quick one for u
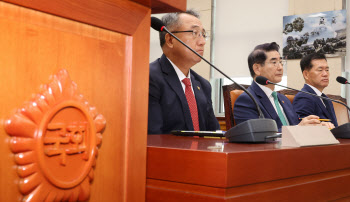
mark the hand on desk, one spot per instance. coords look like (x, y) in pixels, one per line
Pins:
(314, 120)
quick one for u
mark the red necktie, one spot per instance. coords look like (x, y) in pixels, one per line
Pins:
(191, 100)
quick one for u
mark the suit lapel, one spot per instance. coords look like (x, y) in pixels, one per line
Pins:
(266, 103)
(174, 82)
(289, 112)
(317, 100)
(330, 109)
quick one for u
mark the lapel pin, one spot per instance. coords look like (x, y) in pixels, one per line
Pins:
(198, 88)
(283, 101)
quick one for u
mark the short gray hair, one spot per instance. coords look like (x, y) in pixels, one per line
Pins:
(171, 22)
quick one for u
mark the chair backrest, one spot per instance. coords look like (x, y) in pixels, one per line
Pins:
(228, 104)
(290, 94)
(234, 95)
(341, 112)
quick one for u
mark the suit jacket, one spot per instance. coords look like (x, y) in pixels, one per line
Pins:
(244, 108)
(306, 105)
(168, 109)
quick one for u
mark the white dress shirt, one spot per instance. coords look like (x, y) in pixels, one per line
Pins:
(181, 76)
(268, 93)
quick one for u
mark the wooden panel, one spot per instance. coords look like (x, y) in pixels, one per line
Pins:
(228, 165)
(111, 72)
(146, 3)
(167, 6)
(122, 16)
(109, 14)
(327, 186)
(136, 128)
(205, 168)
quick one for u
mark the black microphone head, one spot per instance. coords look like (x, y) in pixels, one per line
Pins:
(262, 80)
(342, 80)
(157, 24)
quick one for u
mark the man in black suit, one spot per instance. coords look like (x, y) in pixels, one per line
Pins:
(315, 71)
(180, 99)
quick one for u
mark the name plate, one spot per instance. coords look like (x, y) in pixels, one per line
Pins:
(302, 136)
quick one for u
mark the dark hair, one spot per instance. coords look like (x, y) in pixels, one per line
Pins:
(305, 62)
(258, 55)
(171, 22)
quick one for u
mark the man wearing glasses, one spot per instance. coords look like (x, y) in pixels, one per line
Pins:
(315, 70)
(180, 99)
(266, 61)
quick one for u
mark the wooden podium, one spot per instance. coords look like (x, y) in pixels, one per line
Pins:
(74, 98)
(203, 169)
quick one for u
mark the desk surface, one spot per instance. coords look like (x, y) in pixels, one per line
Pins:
(206, 162)
(212, 144)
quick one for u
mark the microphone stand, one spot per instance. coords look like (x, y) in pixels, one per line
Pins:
(324, 98)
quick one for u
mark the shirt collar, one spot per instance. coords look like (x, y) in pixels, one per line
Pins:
(266, 90)
(319, 93)
(179, 73)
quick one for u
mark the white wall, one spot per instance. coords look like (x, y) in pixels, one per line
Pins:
(295, 77)
(204, 8)
(240, 26)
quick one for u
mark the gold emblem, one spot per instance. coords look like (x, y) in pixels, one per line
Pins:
(55, 138)
(198, 88)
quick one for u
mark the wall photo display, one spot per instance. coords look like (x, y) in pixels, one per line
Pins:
(323, 32)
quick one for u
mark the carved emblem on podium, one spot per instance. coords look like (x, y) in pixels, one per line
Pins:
(55, 138)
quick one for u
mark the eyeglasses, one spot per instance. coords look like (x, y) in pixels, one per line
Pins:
(279, 62)
(195, 33)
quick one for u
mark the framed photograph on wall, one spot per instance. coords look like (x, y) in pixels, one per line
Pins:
(323, 32)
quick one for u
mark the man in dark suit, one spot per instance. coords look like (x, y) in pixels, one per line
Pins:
(266, 61)
(180, 99)
(315, 71)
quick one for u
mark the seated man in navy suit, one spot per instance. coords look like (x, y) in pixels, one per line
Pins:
(265, 60)
(180, 99)
(315, 71)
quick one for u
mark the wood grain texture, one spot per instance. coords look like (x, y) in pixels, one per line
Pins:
(318, 187)
(121, 16)
(168, 6)
(257, 172)
(136, 128)
(111, 72)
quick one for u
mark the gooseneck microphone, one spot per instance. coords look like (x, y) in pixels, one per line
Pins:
(342, 131)
(254, 130)
(342, 80)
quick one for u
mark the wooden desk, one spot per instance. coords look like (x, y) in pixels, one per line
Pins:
(203, 169)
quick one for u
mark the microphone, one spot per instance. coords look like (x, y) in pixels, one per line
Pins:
(157, 24)
(342, 131)
(342, 80)
(257, 129)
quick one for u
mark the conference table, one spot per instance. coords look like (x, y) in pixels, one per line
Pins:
(212, 169)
